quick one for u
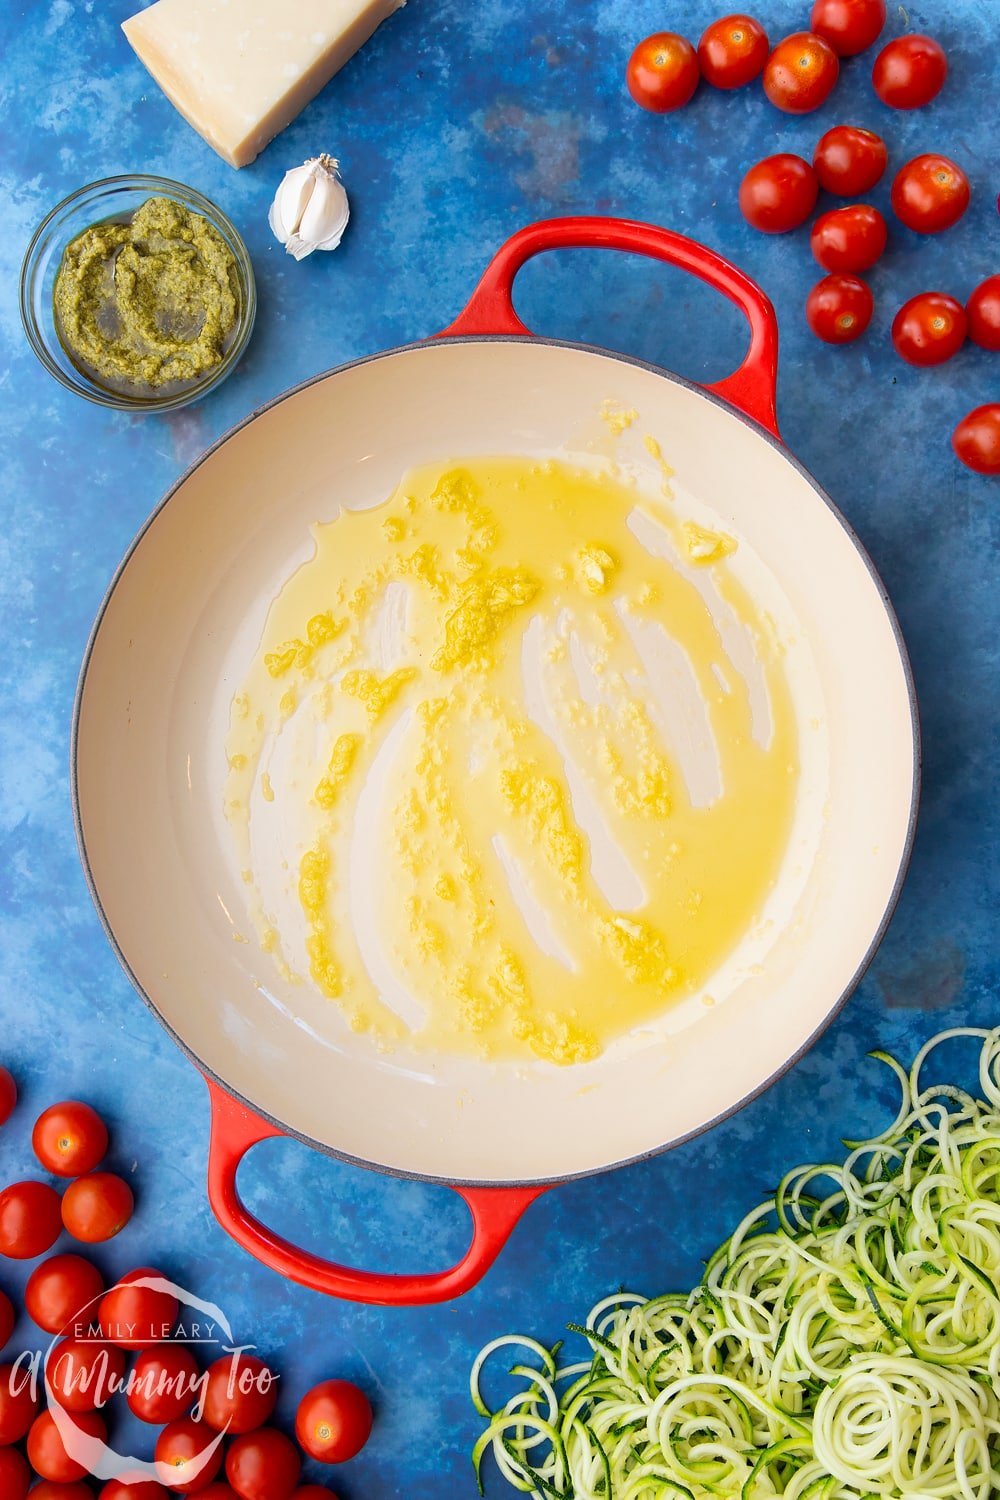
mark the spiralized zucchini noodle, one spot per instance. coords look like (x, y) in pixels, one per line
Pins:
(844, 1343)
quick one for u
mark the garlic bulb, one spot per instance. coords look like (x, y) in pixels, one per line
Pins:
(310, 209)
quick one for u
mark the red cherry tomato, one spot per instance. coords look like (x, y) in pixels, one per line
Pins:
(929, 329)
(30, 1221)
(983, 313)
(46, 1490)
(333, 1421)
(164, 1384)
(909, 72)
(63, 1293)
(778, 193)
(69, 1138)
(8, 1095)
(189, 1460)
(83, 1374)
(839, 309)
(663, 72)
(134, 1316)
(15, 1476)
(930, 193)
(976, 439)
(96, 1207)
(263, 1465)
(140, 1489)
(218, 1491)
(240, 1393)
(800, 73)
(849, 160)
(313, 1492)
(849, 239)
(46, 1452)
(848, 25)
(8, 1317)
(18, 1403)
(733, 51)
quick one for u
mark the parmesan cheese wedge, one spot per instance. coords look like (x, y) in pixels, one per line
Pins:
(239, 71)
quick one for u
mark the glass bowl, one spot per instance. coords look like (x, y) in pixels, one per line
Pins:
(117, 198)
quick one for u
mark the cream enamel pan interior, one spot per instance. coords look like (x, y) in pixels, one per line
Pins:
(184, 617)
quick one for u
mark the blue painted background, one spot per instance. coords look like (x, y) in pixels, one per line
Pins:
(459, 122)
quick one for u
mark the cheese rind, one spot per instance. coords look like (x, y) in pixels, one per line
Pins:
(239, 71)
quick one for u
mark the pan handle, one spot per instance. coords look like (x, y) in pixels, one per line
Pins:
(751, 387)
(235, 1128)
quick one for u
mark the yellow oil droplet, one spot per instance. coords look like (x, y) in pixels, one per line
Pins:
(618, 418)
(375, 692)
(342, 758)
(705, 546)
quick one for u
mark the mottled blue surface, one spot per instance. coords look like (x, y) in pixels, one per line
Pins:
(458, 123)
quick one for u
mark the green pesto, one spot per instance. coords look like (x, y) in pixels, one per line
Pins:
(151, 302)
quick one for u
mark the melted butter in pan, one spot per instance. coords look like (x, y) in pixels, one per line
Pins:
(533, 798)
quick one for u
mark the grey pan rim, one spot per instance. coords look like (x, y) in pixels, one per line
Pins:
(838, 1005)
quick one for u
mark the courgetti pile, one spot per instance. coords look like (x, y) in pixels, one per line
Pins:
(844, 1343)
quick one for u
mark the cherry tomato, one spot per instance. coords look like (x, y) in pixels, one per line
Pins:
(164, 1384)
(848, 25)
(97, 1206)
(930, 193)
(139, 1489)
(849, 160)
(218, 1491)
(929, 329)
(240, 1393)
(47, 1453)
(46, 1490)
(976, 439)
(69, 1138)
(15, 1476)
(333, 1421)
(839, 309)
(190, 1462)
(82, 1374)
(263, 1465)
(909, 72)
(800, 73)
(29, 1219)
(849, 239)
(134, 1316)
(8, 1095)
(663, 72)
(983, 313)
(8, 1317)
(18, 1403)
(733, 51)
(313, 1492)
(778, 193)
(63, 1293)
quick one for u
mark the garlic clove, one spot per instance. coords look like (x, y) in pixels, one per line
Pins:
(325, 216)
(291, 204)
(310, 210)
